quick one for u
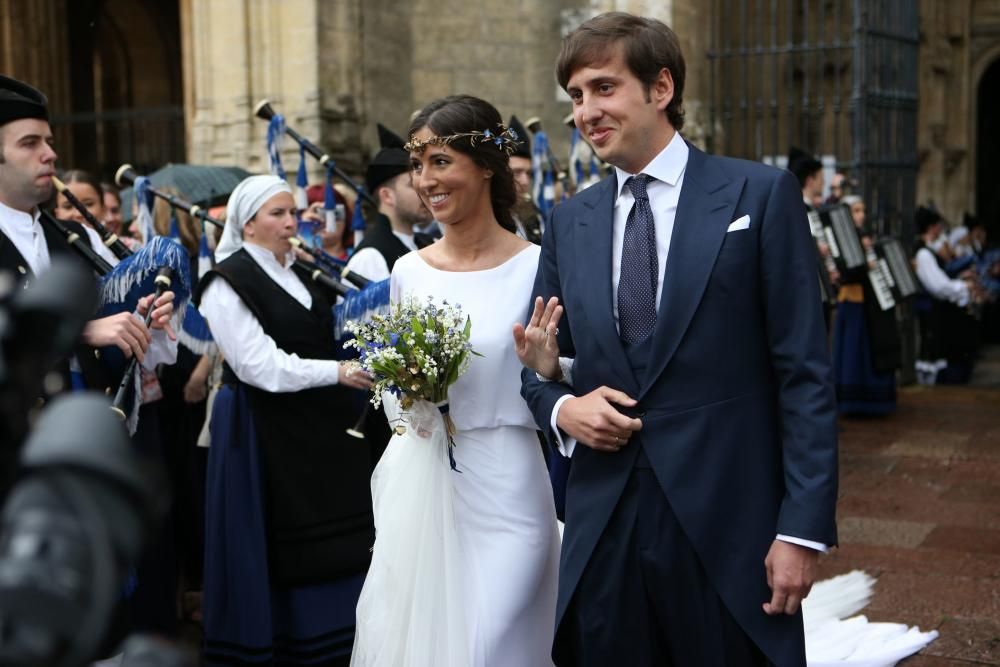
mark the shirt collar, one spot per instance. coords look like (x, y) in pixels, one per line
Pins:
(13, 214)
(406, 239)
(265, 256)
(667, 166)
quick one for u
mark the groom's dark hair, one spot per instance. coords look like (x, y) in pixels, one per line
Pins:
(648, 46)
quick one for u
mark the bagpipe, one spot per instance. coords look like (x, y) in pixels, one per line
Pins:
(276, 128)
(154, 268)
(352, 303)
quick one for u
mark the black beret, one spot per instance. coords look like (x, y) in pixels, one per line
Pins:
(392, 160)
(925, 217)
(19, 100)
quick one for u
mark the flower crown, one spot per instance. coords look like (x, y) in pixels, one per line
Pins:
(505, 138)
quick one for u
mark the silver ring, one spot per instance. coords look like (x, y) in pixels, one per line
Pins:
(618, 441)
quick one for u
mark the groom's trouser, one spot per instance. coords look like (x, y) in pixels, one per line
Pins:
(644, 598)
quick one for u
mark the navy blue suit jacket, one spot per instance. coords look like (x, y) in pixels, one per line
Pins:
(740, 421)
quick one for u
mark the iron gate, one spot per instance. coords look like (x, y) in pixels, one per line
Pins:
(837, 78)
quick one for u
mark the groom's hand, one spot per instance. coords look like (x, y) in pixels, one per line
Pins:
(593, 419)
(791, 570)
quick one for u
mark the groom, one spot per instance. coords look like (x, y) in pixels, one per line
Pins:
(700, 413)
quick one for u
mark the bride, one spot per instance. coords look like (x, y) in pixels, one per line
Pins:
(464, 568)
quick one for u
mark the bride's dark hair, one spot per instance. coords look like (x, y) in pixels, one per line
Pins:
(457, 114)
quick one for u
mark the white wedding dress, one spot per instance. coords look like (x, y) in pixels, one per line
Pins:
(465, 565)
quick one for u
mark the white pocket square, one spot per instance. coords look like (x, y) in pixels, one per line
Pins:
(741, 223)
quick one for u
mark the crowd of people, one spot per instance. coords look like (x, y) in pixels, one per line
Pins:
(956, 307)
(597, 407)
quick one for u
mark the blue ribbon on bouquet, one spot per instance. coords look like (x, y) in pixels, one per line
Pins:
(445, 409)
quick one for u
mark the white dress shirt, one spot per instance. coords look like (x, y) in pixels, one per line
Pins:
(667, 168)
(937, 282)
(25, 232)
(252, 354)
(369, 262)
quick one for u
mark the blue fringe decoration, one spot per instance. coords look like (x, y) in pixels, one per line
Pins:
(144, 198)
(544, 184)
(301, 182)
(194, 333)
(133, 277)
(329, 202)
(275, 130)
(361, 305)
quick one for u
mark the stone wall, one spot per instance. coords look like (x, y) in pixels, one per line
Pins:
(959, 40)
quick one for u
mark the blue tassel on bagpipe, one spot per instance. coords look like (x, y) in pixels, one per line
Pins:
(544, 188)
(361, 305)
(144, 198)
(301, 182)
(194, 333)
(275, 130)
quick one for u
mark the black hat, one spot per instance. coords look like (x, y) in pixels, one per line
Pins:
(925, 217)
(523, 148)
(392, 160)
(802, 164)
(19, 100)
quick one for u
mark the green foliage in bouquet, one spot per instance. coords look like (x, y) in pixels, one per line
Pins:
(417, 351)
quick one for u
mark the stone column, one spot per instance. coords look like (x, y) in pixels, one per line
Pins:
(239, 52)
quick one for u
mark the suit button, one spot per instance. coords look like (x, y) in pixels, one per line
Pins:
(97, 354)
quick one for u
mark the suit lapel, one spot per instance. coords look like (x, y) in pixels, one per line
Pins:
(705, 209)
(593, 253)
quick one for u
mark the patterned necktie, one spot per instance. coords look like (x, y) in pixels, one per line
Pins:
(639, 276)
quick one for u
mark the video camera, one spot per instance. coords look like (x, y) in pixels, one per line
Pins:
(79, 498)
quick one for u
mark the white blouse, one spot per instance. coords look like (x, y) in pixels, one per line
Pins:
(937, 282)
(252, 354)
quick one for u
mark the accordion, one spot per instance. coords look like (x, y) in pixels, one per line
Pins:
(842, 237)
(896, 262)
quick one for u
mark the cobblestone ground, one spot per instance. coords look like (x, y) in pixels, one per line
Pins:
(920, 510)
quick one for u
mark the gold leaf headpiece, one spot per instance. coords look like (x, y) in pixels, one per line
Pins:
(504, 138)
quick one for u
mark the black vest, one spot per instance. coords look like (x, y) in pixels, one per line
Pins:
(379, 235)
(95, 371)
(318, 503)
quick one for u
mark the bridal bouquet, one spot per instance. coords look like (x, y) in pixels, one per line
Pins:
(416, 353)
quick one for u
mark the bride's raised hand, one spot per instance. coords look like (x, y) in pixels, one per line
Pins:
(536, 344)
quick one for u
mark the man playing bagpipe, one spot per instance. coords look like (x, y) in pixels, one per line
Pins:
(390, 236)
(28, 244)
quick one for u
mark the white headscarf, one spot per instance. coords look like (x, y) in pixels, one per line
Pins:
(243, 204)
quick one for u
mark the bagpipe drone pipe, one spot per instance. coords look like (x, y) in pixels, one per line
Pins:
(120, 288)
(275, 130)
